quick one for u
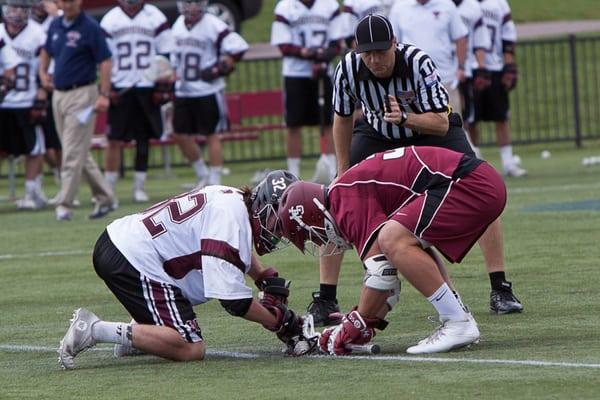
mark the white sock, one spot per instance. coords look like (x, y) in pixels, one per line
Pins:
(139, 179)
(294, 166)
(31, 187)
(506, 155)
(447, 306)
(112, 332)
(214, 174)
(200, 169)
(112, 178)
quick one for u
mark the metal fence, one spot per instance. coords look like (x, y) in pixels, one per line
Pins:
(556, 99)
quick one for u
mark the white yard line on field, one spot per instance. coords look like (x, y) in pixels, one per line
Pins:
(44, 254)
(553, 188)
(441, 360)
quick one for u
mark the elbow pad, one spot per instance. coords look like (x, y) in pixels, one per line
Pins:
(237, 307)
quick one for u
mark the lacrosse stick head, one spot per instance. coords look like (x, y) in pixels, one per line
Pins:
(306, 343)
(160, 69)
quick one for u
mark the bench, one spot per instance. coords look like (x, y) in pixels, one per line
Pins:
(241, 106)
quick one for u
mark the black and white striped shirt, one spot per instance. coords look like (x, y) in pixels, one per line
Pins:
(415, 83)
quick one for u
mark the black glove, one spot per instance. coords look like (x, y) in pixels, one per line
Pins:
(6, 85)
(222, 68)
(276, 291)
(510, 74)
(325, 54)
(38, 111)
(482, 78)
(225, 68)
(163, 93)
(288, 325)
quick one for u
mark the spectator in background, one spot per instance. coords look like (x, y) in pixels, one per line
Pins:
(43, 12)
(136, 32)
(355, 10)
(435, 27)
(308, 33)
(492, 104)
(206, 51)
(477, 77)
(78, 46)
(24, 105)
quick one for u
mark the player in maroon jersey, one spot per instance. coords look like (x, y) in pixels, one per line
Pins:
(393, 207)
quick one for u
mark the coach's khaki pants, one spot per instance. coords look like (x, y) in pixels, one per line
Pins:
(76, 139)
(455, 97)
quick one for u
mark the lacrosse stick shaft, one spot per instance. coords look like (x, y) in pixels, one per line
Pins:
(364, 348)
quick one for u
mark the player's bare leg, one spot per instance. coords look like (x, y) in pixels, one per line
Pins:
(215, 157)
(34, 196)
(402, 249)
(166, 342)
(53, 159)
(112, 163)
(294, 150)
(192, 152)
(502, 299)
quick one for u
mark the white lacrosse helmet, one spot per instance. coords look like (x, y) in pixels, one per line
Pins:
(192, 10)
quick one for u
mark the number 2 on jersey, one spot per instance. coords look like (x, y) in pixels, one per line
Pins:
(178, 211)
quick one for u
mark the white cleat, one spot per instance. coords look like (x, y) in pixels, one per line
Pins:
(78, 337)
(27, 203)
(139, 196)
(515, 172)
(450, 335)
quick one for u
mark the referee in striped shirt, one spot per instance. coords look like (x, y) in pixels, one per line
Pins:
(403, 103)
(402, 98)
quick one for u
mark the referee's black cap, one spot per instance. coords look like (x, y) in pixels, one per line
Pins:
(374, 32)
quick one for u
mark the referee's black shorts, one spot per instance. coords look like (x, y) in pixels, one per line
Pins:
(367, 141)
(492, 104)
(134, 115)
(147, 301)
(301, 98)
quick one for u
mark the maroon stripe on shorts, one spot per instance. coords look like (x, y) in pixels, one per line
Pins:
(161, 303)
(224, 251)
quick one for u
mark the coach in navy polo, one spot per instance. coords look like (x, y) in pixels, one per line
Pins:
(78, 46)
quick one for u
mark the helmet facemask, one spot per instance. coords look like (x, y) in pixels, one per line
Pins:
(16, 15)
(192, 10)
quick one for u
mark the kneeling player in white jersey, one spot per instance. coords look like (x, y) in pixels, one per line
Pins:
(206, 51)
(24, 105)
(182, 252)
(136, 33)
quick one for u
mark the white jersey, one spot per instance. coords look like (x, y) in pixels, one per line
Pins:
(355, 10)
(479, 37)
(8, 57)
(27, 45)
(433, 28)
(134, 41)
(298, 25)
(198, 48)
(200, 241)
(498, 20)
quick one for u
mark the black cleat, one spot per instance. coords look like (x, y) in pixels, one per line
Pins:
(321, 310)
(503, 301)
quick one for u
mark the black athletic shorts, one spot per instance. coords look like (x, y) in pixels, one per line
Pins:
(466, 92)
(134, 115)
(147, 301)
(200, 115)
(367, 141)
(17, 135)
(491, 104)
(301, 98)
(49, 128)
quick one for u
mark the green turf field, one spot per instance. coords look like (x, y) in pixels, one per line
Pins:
(258, 28)
(551, 351)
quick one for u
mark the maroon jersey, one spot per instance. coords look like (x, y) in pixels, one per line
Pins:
(382, 187)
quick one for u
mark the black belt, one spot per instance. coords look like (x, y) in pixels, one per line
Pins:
(74, 86)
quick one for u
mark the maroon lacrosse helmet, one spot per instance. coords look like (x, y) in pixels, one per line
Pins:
(304, 217)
